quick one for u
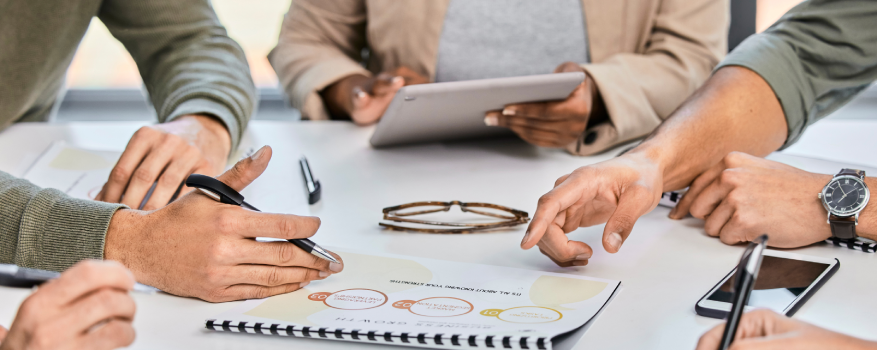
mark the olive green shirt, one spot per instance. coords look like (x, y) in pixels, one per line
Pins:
(188, 64)
(816, 58)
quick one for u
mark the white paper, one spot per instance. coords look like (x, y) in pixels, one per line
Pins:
(78, 172)
(403, 294)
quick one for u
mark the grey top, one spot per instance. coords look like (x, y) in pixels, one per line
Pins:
(491, 39)
(816, 58)
(187, 61)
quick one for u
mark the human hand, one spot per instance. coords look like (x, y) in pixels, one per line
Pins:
(744, 196)
(553, 123)
(765, 329)
(617, 192)
(167, 154)
(88, 307)
(202, 248)
(365, 99)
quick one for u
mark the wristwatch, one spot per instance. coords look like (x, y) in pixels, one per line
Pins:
(844, 198)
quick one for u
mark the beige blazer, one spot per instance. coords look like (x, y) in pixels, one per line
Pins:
(647, 56)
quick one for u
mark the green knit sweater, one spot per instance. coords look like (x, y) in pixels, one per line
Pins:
(189, 66)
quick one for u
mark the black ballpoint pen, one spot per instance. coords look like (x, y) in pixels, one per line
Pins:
(17, 276)
(744, 280)
(312, 185)
(221, 192)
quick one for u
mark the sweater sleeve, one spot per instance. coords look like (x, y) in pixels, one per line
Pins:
(188, 62)
(45, 229)
(320, 42)
(816, 58)
(640, 90)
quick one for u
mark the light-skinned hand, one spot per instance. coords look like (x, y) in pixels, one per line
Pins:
(202, 248)
(552, 123)
(767, 330)
(616, 192)
(744, 196)
(364, 99)
(167, 154)
(88, 307)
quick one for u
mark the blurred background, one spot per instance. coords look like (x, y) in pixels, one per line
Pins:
(103, 82)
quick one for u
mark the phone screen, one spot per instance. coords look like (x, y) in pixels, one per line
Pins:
(780, 281)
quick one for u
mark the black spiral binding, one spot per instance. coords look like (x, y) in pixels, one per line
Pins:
(855, 244)
(441, 339)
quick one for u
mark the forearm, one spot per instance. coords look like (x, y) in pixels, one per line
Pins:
(188, 62)
(736, 110)
(868, 217)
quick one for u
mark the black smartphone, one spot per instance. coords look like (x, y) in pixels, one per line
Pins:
(785, 281)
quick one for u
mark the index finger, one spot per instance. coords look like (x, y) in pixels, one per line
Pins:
(547, 110)
(550, 204)
(697, 186)
(85, 277)
(122, 172)
(283, 226)
(710, 340)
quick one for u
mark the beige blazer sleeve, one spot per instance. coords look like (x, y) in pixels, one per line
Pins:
(320, 42)
(641, 89)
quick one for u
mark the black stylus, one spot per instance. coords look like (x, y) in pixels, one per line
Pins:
(744, 280)
(219, 191)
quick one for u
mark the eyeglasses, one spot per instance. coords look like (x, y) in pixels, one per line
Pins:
(511, 217)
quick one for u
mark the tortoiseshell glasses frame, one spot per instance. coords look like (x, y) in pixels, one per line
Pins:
(515, 217)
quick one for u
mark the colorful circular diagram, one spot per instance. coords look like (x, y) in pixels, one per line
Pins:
(524, 314)
(351, 299)
(436, 306)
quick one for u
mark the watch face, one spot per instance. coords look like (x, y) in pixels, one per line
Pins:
(845, 195)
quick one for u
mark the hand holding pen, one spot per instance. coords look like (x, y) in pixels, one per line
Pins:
(221, 192)
(199, 247)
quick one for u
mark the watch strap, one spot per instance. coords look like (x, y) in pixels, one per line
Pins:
(843, 228)
(853, 172)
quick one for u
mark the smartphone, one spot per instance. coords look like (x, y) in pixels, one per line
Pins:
(785, 281)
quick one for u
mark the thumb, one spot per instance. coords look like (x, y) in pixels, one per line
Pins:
(3, 333)
(633, 203)
(568, 67)
(246, 170)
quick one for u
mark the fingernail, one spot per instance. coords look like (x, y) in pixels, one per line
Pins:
(335, 267)
(673, 213)
(526, 238)
(491, 120)
(303, 284)
(323, 274)
(360, 94)
(614, 241)
(258, 153)
(397, 80)
(584, 256)
(508, 111)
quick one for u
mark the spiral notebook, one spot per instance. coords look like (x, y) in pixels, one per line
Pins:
(429, 303)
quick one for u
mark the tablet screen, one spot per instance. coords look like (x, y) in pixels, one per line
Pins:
(780, 281)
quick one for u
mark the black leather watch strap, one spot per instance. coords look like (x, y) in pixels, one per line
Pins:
(853, 172)
(843, 228)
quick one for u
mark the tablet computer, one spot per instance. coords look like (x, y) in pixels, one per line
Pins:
(455, 110)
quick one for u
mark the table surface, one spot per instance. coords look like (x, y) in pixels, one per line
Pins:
(665, 266)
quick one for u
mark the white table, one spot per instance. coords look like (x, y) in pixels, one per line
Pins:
(665, 266)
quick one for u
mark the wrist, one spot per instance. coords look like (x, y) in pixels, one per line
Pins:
(117, 243)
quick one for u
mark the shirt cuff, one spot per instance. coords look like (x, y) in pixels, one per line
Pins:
(776, 62)
(595, 139)
(58, 231)
(214, 109)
